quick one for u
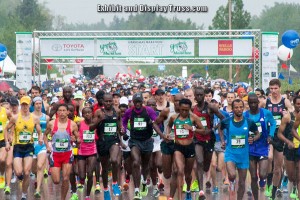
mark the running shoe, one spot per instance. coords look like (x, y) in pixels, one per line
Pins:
(262, 183)
(215, 190)
(201, 195)
(74, 196)
(268, 191)
(195, 186)
(87, 198)
(125, 186)
(116, 189)
(37, 195)
(293, 194)
(170, 198)
(184, 187)
(2, 182)
(188, 196)
(232, 186)
(284, 189)
(155, 192)
(46, 173)
(148, 182)
(7, 190)
(13, 178)
(107, 194)
(279, 193)
(226, 182)
(79, 186)
(137, 196)
(208, 185)
(24, 198)
(161, 186)
(97, 188)
(249, 192)
(144, 190)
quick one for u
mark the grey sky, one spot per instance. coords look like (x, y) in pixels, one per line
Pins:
(78, 11)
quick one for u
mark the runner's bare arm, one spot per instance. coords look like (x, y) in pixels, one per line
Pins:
(215, 110)
(75, 132)
(163, 115)
(47, 132)
(170, 125)
(98, 117)
(10, 124)
(288, 105)
(284, 121)
(53, 110)
(198, 125)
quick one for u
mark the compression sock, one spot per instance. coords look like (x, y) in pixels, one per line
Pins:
(274, 189)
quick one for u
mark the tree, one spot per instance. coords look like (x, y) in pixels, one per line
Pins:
(240, 18)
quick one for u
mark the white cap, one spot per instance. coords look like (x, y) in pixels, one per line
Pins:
(124, 100)
(49, 95)
(54, 100)
(217, 98)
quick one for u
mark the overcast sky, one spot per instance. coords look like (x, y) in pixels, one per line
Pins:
(78, 11)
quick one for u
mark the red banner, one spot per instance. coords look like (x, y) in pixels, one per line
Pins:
(225, 47)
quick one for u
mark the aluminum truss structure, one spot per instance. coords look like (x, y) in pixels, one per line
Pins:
(196, 34)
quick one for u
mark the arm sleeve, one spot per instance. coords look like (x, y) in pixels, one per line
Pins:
(151, 113)
(125, 119)
(272, 121)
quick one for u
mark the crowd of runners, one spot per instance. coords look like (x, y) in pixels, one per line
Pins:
(156, 133)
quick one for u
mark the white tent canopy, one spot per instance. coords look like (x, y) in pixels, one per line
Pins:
(7, 65)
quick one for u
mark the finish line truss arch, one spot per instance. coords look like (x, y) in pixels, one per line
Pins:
(194, 41)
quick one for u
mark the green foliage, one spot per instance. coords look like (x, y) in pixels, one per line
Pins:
(240, 19)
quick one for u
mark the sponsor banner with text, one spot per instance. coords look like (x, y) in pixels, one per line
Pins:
(216, 48)
(269, 60)
(67, 47)
(145, 47)
(24, 60)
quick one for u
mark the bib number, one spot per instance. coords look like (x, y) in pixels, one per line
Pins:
(110, 129)
(278, 120)
(181, 132)
(238, 141)
(1, 127)
(61, 144)
(88, 136)
(35, 136)
(139, 123)
(24, 137)
(203, 122)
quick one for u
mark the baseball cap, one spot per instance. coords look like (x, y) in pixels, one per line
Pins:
(217, 98)
(159, 91)
(13, 101)
(54, 100)
(123, 100)
(49, 95)
(25, 100)
(174, 91)
(78, 96)
(137, 97)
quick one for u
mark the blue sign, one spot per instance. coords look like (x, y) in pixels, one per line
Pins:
(161, 67)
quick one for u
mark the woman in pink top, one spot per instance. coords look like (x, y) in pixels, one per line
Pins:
(87, 153)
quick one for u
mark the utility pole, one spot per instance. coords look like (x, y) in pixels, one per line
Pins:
(229, 23)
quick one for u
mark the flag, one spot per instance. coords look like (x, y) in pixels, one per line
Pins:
(280, 76)
(250, 66)
(284, 66)
(206, 68)
(49, 67)
(292, 69)
(250, 75)
(290, 81)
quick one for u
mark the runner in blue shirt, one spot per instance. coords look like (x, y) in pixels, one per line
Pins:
(237, 146)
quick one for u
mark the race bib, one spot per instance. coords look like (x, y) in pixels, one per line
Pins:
(181, 132)
(1, 127)
(203, 122)
(238, 141)
(278, 120)
(110, 128)
(24, 137)
(154, 133)
(88, 136)
(35, 136)
(139, 123)
(61, 144)
(258, 124)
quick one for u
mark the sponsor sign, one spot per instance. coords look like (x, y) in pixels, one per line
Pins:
(216, 48)
(145, 47)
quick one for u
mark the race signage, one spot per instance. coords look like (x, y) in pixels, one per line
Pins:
(234, 48)
(145, 47)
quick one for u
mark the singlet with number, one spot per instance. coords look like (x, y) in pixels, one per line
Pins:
(206, 121)
(61, 140)
(43, 124)
(261, 146)
(3, 122)
(87, 137)
(24, 130)
(108, 128)
(180, 132)
(140, 125)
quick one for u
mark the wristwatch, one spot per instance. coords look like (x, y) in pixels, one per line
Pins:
(194, 128)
